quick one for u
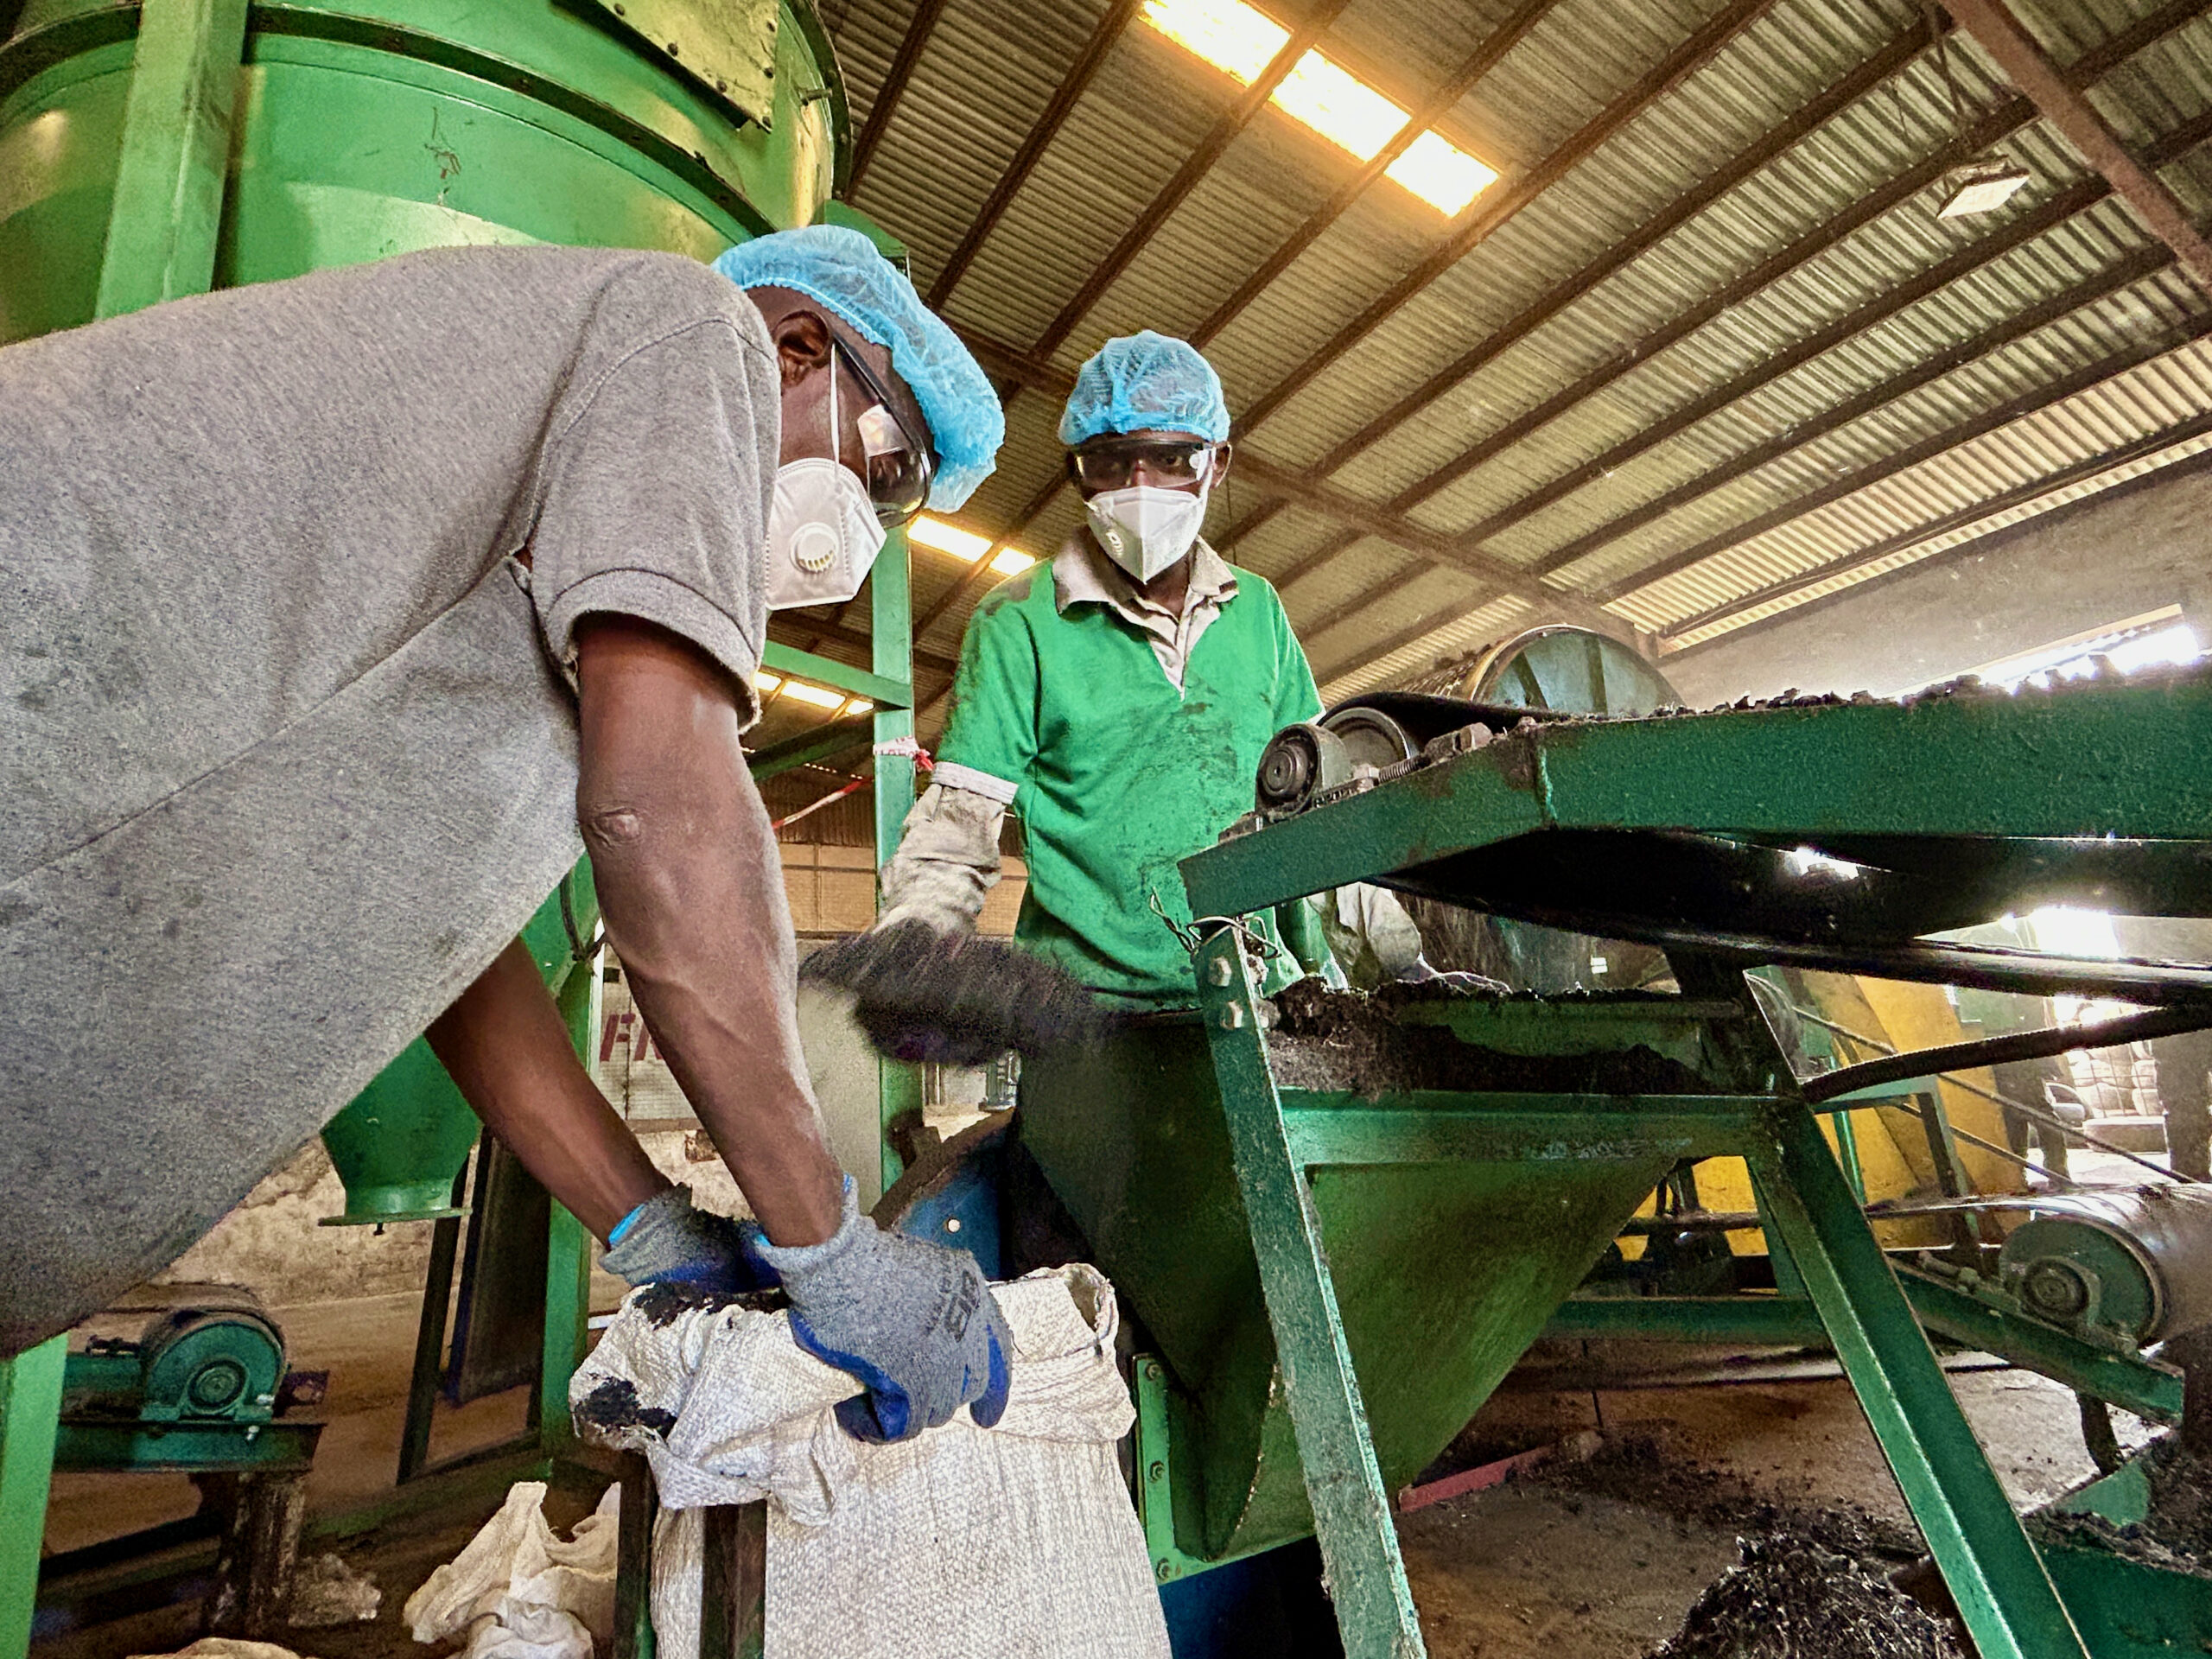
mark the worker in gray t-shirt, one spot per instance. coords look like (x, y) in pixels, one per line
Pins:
(340, 616)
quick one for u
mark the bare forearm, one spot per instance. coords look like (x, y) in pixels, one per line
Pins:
(508, 1051)
(690, 886)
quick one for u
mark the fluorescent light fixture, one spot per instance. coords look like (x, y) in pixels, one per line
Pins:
(813, 695)
(764, 681)
(1239, 40)
(1980, 187)
(860, 706)
(1012, 562)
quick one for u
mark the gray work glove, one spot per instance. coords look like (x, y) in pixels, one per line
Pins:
(667, 1240)
(913, 1321)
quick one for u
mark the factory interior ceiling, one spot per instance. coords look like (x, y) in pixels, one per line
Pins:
(1702, 346)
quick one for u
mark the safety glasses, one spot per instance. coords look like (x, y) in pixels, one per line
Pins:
(1112, 463)
(900, 468)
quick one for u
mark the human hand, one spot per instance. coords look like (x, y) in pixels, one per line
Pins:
(667, 1240)
(914, 1322)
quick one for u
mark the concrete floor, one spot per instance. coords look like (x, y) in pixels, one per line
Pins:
(1526, 1571)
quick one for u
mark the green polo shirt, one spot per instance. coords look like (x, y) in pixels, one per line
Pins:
(1115, 773)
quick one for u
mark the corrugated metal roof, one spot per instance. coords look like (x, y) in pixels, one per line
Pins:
(991, 68)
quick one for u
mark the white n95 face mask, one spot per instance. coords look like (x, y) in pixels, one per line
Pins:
(1144, 528)
(823, 534)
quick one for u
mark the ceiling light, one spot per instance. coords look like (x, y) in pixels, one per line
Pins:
(764, 681)
(813, 695)
(860, 706)
(964, 544)
(1240, 41)
(1980, 187)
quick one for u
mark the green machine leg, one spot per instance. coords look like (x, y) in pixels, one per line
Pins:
(30, 1404)
(568, 1247)
(2006, 1599)
(177, 154)
(891, 623)
(1351, 1508)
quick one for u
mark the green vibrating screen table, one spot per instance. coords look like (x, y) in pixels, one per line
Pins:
(1339, 1241)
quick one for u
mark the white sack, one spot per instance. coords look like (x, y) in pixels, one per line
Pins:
(1014, 1541)
(226, 1646)
(527, 1593)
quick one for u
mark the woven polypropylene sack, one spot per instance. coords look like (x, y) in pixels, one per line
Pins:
(1012, 1541)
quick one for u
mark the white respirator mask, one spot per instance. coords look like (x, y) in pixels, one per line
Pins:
(1146, 527)
(822, 532)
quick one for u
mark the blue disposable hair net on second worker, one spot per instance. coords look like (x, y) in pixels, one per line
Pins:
(843, 270)
(1146, 380)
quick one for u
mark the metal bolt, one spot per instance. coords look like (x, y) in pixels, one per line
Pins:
(1164, 1570)
(952, 1224)
(1151, 1371)
(1232, 1017)
(1221, 970)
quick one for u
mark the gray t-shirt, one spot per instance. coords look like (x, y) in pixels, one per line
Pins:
(287, 734)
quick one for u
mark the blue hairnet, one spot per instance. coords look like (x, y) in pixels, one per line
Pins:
(841, 269)
(1146, 380)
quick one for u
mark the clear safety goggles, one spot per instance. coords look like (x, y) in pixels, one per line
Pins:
(899, 467)
(1113, 463)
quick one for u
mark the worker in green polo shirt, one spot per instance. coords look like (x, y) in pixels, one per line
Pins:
(1117, 699)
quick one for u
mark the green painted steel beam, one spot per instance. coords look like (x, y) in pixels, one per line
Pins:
(891, 632)
(1425, 1127)
(167, 210)
(1351, 1507)
(2132, 1384)
(568, 1255)
(822, 742)
(881, 690)
(2006, 1599)
(187, 1447)
(30, 1402)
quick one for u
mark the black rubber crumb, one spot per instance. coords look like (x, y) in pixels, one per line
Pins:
(2177, 1533)
(662, 1304)
(614, 1405)
(1814, 1580)
(1636, 1469)
(1791, 1597)
(1326, 1039)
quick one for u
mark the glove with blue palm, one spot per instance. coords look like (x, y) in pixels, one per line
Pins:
(667, 1240)
(914, 1322)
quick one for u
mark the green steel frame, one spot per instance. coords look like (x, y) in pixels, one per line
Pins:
(2113, 762)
